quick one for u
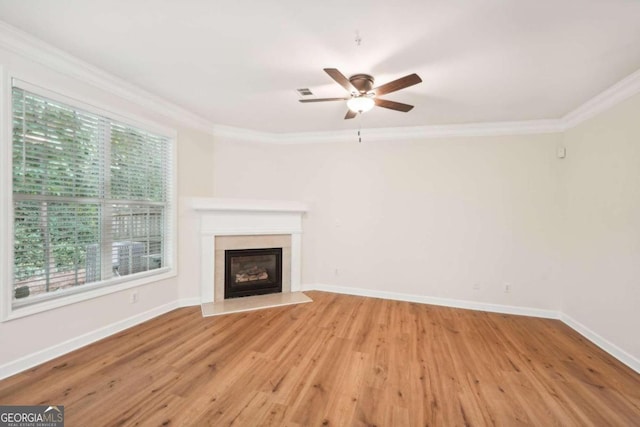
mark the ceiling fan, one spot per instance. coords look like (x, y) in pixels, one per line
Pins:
(363, 97)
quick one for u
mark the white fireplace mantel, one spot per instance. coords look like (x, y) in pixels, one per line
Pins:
(229, 217)
(203, 204)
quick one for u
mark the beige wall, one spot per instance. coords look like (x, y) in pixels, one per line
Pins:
(432, 217)
(195, 179)
(601, 262)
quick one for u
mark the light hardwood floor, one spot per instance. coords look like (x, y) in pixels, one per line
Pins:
(339, 361)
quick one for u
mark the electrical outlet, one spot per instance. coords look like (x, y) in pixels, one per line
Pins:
(476, 286)
(134, 297)
(507, 288)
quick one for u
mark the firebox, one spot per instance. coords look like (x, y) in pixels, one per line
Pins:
(252, 272)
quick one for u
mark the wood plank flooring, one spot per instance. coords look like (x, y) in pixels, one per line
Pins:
(338, 361)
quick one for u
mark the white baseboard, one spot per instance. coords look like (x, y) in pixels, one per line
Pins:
(603, 343)
(447, 302)
(189, 302)
(52, 352)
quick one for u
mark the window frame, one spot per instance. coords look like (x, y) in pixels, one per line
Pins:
(110, 286)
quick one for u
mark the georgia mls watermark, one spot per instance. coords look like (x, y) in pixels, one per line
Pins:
(32, 416)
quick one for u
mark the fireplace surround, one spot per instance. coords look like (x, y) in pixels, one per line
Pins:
(247, 224)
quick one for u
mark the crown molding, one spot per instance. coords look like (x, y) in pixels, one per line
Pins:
(235, 133)
(34, 49)
(30, 47)
(608, 98)
(393, 133)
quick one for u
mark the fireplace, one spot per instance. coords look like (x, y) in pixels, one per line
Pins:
(252, 272)
(229, 224)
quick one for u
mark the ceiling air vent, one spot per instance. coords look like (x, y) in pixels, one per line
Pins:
(305, 91)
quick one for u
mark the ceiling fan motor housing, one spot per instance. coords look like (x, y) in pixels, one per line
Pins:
(362, 82)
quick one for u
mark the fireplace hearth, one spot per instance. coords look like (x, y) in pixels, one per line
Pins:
(252, 272)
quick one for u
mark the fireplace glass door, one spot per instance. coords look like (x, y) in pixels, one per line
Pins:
(252, 272)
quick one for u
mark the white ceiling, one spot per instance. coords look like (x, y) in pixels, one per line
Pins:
(238, 63)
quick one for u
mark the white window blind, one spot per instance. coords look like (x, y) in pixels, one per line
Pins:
(91, 200)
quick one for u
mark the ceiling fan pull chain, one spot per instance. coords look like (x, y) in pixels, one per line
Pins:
(361, 119)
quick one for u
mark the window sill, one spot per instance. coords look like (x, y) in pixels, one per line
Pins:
(104, 289)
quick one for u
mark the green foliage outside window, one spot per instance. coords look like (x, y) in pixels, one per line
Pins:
(82, 182)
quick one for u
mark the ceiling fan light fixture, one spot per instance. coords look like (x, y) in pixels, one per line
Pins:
(360, 104)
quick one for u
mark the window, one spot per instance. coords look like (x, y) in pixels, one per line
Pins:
(91, 200)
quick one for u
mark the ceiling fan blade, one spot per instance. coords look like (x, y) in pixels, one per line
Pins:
(340, 79)
(392, 105)
(350, 115)
(323, 99)
(401, 83)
